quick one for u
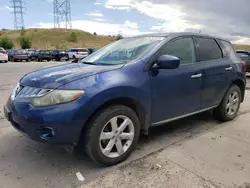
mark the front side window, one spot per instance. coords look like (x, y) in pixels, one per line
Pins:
(182, 48)
(124, 50)
(208, 49)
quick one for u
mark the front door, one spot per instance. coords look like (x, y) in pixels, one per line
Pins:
(176, 92)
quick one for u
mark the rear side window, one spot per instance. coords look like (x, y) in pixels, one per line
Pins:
(182, 48)
(208, 49)
(228, 50)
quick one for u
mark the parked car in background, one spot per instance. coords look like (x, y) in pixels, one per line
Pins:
(33, 55)
(103, 102)
(78, 53)
(31, 52)
(92, 50)
(3, 55)
(245, 56)
(11, 54)
(20, 55)
(59, 55)
(43, 55)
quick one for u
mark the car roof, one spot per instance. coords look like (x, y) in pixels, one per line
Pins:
(179, 34)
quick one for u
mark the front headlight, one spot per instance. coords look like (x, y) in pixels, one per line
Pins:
(57, 97)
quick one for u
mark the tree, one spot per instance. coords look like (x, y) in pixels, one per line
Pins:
(95, 33)
(73, 37)
(23, 32)
(25, 42)
(6, 43)
(119, 36)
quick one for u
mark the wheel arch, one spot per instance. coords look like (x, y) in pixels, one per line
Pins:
(241, 84)
(130, 102)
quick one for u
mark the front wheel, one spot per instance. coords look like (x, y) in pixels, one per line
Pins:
(230, 104)
(111, 135)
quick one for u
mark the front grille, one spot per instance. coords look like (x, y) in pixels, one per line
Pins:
(25, 91)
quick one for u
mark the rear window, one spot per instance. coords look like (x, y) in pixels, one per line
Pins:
(45, 52)
(82, 50)
(208, 49)
(21, 52)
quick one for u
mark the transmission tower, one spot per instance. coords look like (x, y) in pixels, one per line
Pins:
(18, 10)
(62, 14)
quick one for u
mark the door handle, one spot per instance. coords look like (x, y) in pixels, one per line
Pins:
(228, 68)
(196, 75)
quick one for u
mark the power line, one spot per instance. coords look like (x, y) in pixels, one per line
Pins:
(18, 11)
(62, 14)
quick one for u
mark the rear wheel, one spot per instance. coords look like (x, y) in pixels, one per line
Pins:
(6, 61)
(111, 135)
(230, 104)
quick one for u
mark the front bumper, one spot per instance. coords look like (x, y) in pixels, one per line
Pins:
(54, 124)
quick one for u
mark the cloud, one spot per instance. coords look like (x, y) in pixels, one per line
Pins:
(99, 19)
(96, 14)
(97, 3)
(128, 28)
(9, 8)
(228, 19)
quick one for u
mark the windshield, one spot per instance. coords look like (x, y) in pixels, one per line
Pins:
(123, 51)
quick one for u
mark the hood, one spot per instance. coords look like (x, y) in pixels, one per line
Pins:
(54, 76)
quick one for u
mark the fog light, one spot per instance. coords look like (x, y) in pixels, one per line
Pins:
(46, 133)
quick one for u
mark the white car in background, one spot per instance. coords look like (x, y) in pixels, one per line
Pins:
(78, 53)
(3, 55)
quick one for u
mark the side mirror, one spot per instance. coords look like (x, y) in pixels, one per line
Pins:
(168, 62)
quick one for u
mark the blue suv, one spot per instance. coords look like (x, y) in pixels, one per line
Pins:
(103, 102)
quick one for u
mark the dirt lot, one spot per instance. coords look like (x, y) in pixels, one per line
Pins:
(193, 152)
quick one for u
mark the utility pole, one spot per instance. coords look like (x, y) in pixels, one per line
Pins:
(62, 14)
(18, 10)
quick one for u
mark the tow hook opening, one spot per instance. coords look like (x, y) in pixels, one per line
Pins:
(46, 133)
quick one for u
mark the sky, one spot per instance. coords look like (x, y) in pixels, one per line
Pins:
(229, 19)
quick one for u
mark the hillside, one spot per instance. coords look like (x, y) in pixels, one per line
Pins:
(242, 47)
(50, 38)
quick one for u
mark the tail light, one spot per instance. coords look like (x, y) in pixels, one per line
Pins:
(244, 64)
(3, 52)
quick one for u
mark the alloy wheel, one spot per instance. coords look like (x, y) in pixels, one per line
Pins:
(232, 103)
(117, 136)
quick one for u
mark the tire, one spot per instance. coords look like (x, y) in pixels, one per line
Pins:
(222, 112)
(91, 135)
(6, 61)
(14, 60)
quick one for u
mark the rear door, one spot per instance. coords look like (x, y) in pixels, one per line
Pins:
(216, 69)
